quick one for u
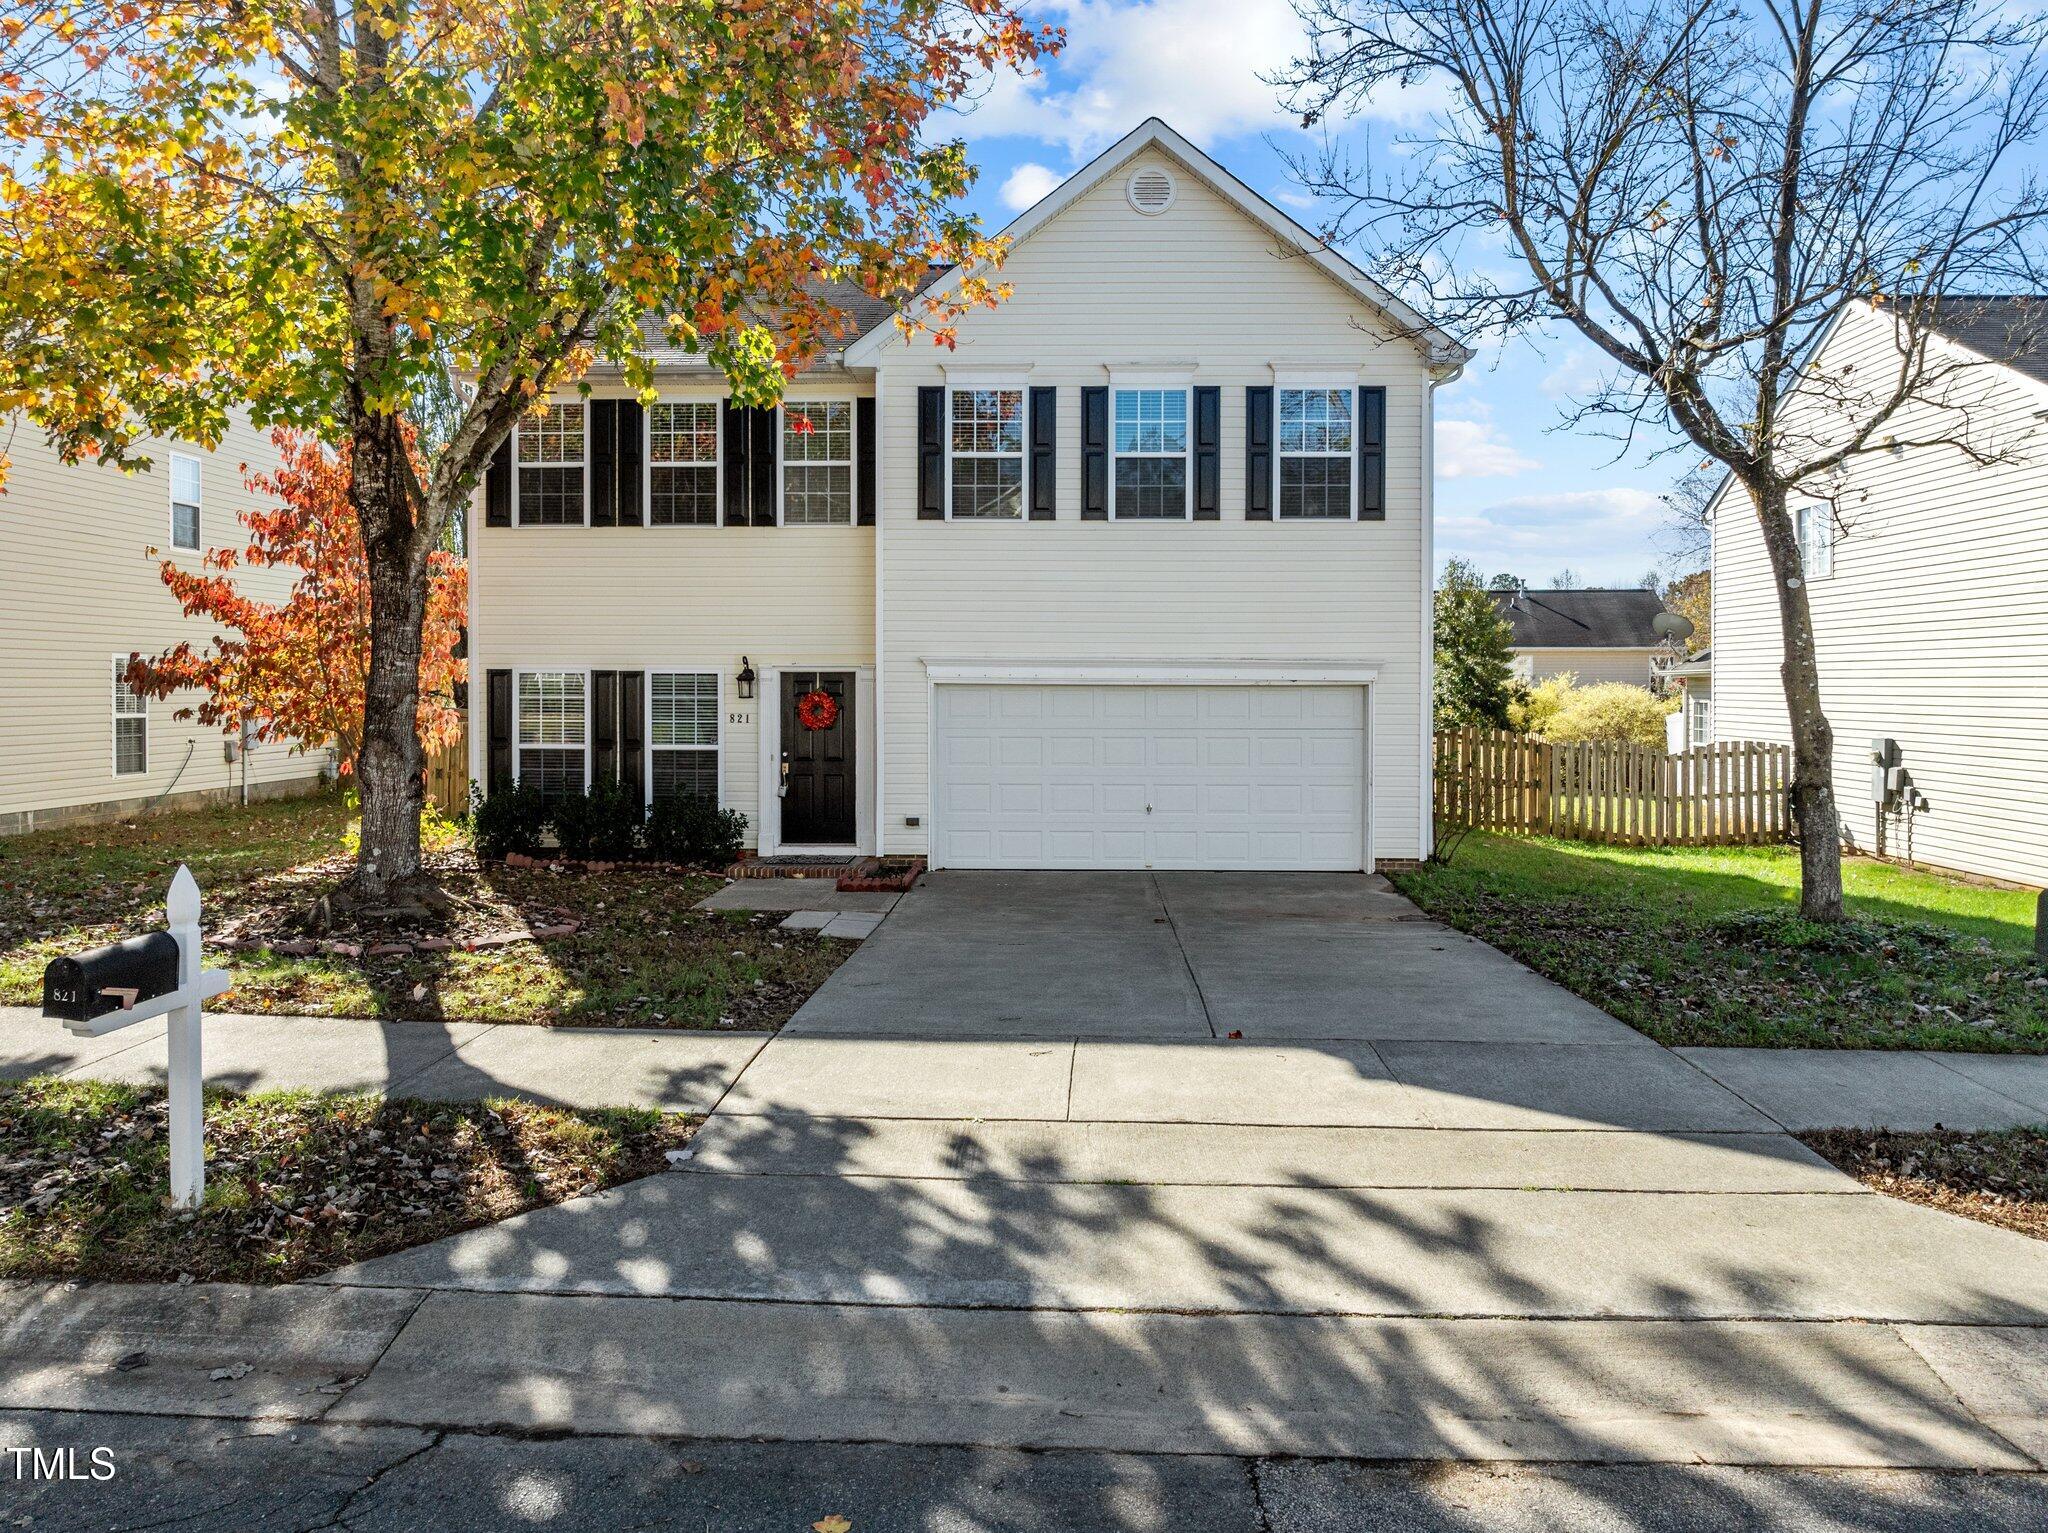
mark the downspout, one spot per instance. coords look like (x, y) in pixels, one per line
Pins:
(1427, 702)
(881, 680)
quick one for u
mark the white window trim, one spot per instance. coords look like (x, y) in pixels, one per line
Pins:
(1138, 383)
(1351, 457)
(114, 728)
(588, 748)
(171, 501)
(1022, 454)
(852, 464)
(716, 465)
(697, 668)
(1819, 516)
(519, 436)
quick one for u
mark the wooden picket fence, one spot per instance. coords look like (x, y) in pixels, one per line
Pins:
(1734, 792)
(448, 776)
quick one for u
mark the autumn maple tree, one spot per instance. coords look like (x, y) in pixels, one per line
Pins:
(296, 670)
(320, 212)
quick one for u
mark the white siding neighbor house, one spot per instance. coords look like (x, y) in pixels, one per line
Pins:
(79, 593)
(1135, 576)
(1597, 634)
(1929, 592)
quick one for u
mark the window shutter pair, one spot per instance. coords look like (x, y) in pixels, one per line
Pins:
(1041, 454)
(1206, 493)
(617, 429)
(1368, 445)
(618, 708)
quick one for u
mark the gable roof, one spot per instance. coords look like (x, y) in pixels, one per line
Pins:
(1592, 619)
(1439, 348)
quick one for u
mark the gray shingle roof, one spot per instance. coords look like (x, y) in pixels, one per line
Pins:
(1592, 619)
(863, 311)
(2009, 330)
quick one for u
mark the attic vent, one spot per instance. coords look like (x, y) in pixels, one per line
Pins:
(1150, 190)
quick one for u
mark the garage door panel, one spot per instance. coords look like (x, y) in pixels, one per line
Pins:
(1149, 777)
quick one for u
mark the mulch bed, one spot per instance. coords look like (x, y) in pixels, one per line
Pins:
(296, 1184)
(1996, 1178)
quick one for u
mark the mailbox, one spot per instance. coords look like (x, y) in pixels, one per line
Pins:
(95, 983)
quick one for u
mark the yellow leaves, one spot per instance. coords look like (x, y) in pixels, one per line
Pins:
(832, 1524)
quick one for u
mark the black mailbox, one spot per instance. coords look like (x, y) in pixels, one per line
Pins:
(77, 989)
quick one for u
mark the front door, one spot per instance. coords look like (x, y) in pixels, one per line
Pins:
(817, 763)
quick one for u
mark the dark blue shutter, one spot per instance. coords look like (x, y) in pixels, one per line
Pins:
(633, 733)
(864, 462)
(764, 426)
(931, 454)
(602, 436)
(604, 726)
(632, 438)
(498, 487)
(1372, 455)
(734, 424)
(498, 730)
(1095, 455)
(1044, 460)
(1208, 454)
(1258, 455)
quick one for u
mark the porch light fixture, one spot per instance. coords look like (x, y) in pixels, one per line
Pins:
(746, 677)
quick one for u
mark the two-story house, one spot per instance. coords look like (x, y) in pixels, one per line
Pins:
(1927, 576)
(1137, 575)
(80, 593)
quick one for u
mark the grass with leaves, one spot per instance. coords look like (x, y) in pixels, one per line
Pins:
(296, 1184)
(1706, 946)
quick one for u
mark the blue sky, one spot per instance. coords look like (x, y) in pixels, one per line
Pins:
(1516, 491)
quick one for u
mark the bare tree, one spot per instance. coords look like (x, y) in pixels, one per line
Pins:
(1702, 188)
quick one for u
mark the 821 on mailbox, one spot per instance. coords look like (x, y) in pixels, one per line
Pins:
(116, 977)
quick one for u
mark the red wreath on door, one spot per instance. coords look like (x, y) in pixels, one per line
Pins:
(817, 709)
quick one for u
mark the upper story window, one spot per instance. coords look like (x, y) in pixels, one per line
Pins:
(554, 730)
(1150, 446)
(1315, 453)
(682, 463)
(683, 734)
(1815, 526)
(131, 724)
(817, 463)
(986, 434)
(184, 500)
(550, 467)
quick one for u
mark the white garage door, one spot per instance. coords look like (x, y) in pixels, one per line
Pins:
(1149, 777)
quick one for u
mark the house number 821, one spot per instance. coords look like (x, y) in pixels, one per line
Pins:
(739, 718)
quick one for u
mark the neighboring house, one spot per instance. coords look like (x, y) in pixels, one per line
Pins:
(1599, 635)
(1929, 600)
(1136, 576)
(1693, 723)
(80, 593)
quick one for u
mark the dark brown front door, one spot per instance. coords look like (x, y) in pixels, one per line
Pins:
(817, 764)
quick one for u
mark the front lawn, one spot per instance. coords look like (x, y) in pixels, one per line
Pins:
(296, 1184)
(638, 956)
(1704, 945)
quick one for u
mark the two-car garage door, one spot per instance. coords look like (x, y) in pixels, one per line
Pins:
(1128, 776)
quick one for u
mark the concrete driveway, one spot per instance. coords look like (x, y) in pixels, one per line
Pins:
(1299, 956)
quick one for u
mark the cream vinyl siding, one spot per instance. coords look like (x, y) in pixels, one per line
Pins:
(1592, 665)
(1931, 629)
(78, 585)
(1103, 289)
(675, 599)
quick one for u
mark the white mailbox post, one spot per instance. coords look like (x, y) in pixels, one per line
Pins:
(182, 1006)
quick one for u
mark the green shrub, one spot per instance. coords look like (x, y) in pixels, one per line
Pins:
(603, 823)
(512, 819)
(1613, 712)
(689, 827)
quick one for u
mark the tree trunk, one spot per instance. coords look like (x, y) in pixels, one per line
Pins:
(1814, 814)
(390, 765)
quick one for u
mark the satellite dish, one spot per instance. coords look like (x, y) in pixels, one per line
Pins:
(1671, 625)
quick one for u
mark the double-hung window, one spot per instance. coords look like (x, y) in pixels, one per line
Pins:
(184, 500)
(554, 730)
(1315, 454)
(817, 464)
(987, 460)
(131, 724)
(682, 716)
(551, 467)
(682, 463)
(1815, 526)
(1150, 440)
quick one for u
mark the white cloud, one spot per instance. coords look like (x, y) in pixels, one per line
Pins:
(1605, 534)
(1027, 184)
(1475, 449)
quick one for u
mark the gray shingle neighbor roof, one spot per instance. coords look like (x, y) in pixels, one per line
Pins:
(863, 311)
(1592, 619)
(2009, 330)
